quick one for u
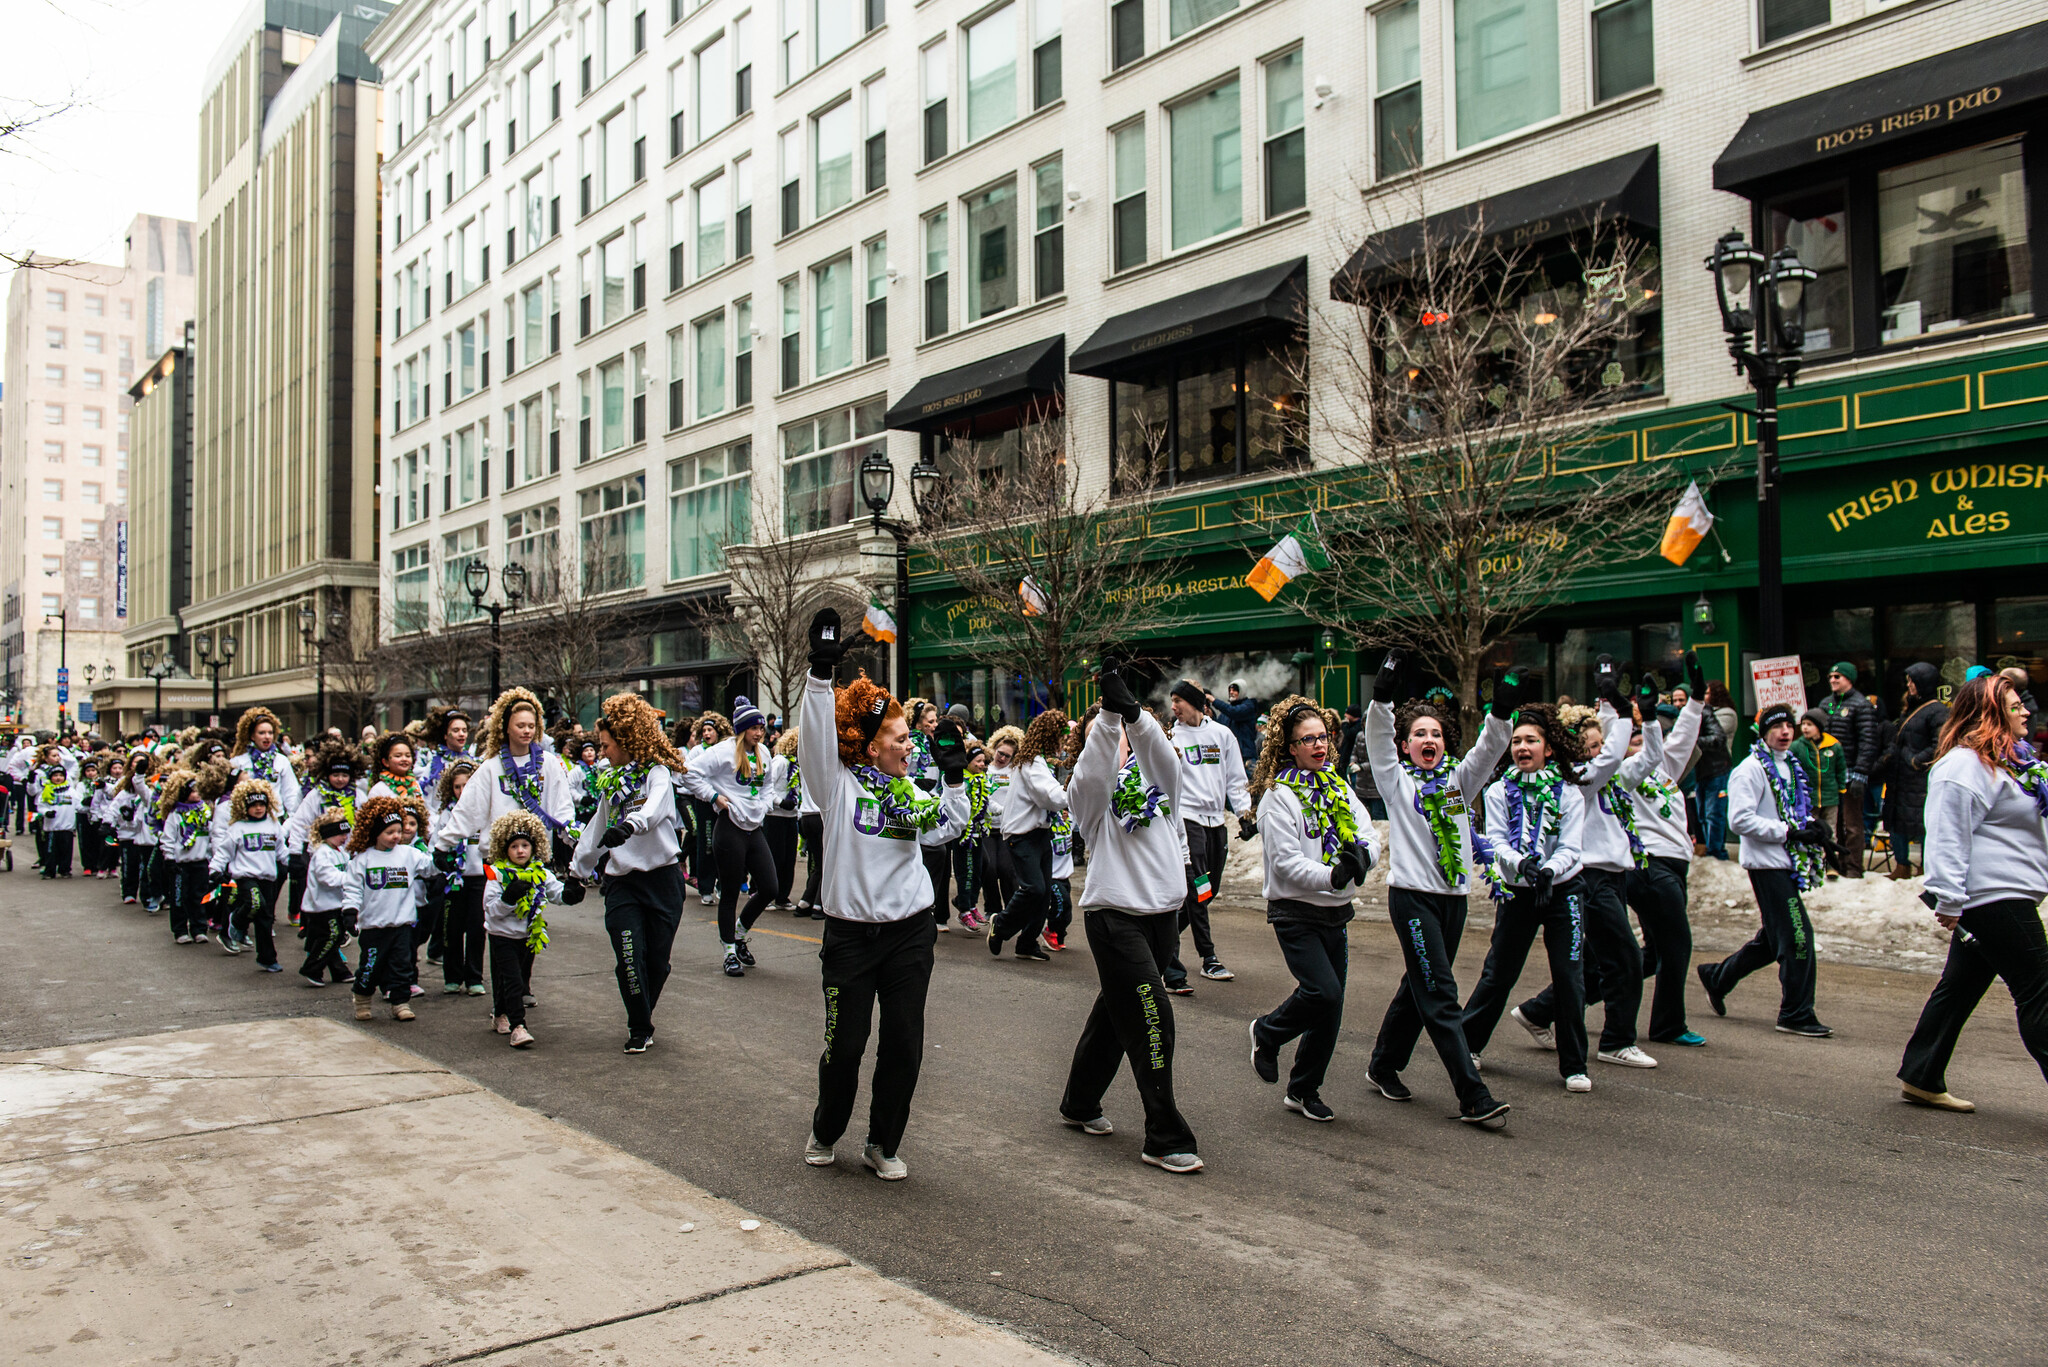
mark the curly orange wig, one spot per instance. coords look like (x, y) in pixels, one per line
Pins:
(852, 706)
(369, 820)
(636, 727)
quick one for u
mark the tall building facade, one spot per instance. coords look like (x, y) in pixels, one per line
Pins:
(77, 336)
(660, 274)
(284, 433)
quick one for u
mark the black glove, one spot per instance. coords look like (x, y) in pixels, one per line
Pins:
(949, 751)
(1507, 689)
(448, 861)
(572, 891)
(1117, 696)
(1247, 826)
(1364, 854)
(1544, 879)
(1386, 687)
(1347, 868)
(614, 836)
(1695, 677)
(1812, 833)
(1647, 689)
(1525, 872)
(826, 645)
(1607, 682)
(296, 865)
(437, 886)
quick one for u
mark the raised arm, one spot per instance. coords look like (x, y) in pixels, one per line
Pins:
(1613, 748)
(1685, 734)
(1095, 773)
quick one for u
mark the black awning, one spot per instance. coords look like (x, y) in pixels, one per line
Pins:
(992, 382)
(1620, 190)
(1274, 297)
(1990, 77)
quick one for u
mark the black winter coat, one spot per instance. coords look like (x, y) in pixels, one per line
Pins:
(1912, 755)
(1853, 722)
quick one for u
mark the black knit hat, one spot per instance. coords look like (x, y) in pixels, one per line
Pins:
(1188, 693)
(1775, 713)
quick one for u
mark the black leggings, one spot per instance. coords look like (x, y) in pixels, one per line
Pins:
(704, 824)
(511, 971)
(811, 827)
(938, 869)
(997, 877)
(253, 898)
(781, 833)
(1515, 924)
(743, 856)
(134, 859)
(462, 933)
(1024, 915)
(323, 935)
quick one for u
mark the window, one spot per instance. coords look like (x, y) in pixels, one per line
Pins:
(937, 309)
(874, 102)
(1236, 410)
(678, 367)
(533, 541)
(53, 564)
(710, 213)
(95, 418)
(742, 65)
(1506, 65)
(615, 142)
(533, 323)
(95, 379)
(468, 485)
(1286, 162)
(53, 415)
(458, 551)
(793, 39)
(465, 346)
(612, 271)
(1183, 15)
(1624, 57)
(53, 338)
(533, 461)
(53, 374)
(53, 491)
(96, 343)
(88, 569)
(792, 180)
(1045, 52)
(52, 604)
(743, 353)
(819, 457)
(53, 300)
(991, 73)
(1952, 241)
(53, 530)
(90, 492)
(876, 327)
(409, 572)
(616, 23)
(991, 221)
(95, 305)
(636, 361)
(89, 531)
(714, 87)
(1815, 225)
(932, 62)
(1206, 161)
(94, 455)
(1127, 213)
(612, 535)
(1782, 18)
(832, 298)
(1397, 88)
(611, 383)
(709, 508)
(832, 149)
(708, 352)
(1048, 236)
(835, 24)
(53, 451)
(792, 333)
(1126, 32)
(89, 608)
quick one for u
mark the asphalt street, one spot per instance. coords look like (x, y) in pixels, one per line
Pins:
(1763, 1200)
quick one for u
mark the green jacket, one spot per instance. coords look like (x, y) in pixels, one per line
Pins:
(1829, 769)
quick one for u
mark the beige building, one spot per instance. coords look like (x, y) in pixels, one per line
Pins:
(77, 334)
(284, 435)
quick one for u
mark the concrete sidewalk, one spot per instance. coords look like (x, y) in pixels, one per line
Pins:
(296, 1191)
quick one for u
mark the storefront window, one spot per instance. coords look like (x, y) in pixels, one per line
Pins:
(1275, 411)
(1842, 634)
(2022, 627)
(1139, 441)
(1952, 241)
(1207, 429)
(990, 449)
(1229, 410)
(1815, 225)
(1941, 634)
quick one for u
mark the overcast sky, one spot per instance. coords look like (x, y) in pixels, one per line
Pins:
(131, 143)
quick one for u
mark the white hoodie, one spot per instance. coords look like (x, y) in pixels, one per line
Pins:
(1295, 870)
(1559, 842)
(650, 822)
(326, 878)
(246, 849)
(873, 872)
(1142, 872)
(1986, 841)
(1666, 835)
(714, 773)
(1606, 839)
(1753, 811)
(1033, 793)
(281, 776)
(489, 796)
(387, 887)
(1414, 865)
(1212, 772)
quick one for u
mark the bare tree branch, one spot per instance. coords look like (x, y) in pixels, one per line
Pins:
(766, 616)
(584, 629)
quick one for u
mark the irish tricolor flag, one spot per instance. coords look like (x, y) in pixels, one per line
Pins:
(878, 623)
(1690, 521)
(1036, 604)
(1299, 552)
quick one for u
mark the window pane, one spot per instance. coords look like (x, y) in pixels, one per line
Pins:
(1397, 121)
(1130, 159)
(1623, 58)
(835, 158)
(1182, 15)
(714, 89)
(618, 157)
(818, 492)
(1815, 226)
(1952, 241)
(1140, 435)
(1283, 93)
(613, 264)
(1286, 165)
(1207, 164)
(991, 253)
(612, 379)
(1208, 416)
(1275, 410)
(710, 349)
(832, 286)
(1506, 65)
(1397, 44)
(1783, 18)
(992, 73)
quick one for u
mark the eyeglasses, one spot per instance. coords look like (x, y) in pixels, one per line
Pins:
(2016, 707)
(1323, 739)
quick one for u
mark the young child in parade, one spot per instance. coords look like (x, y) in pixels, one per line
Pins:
(461, 896)
(516, 887)
(59, 799)
(320, 919)
(184, 844)
(387, 885)
(245, 869)
(136, 833)
(785, 813)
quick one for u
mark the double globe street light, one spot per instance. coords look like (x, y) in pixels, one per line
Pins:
(203, 645)
(477, 579)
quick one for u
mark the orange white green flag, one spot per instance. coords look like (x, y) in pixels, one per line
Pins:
(1297, 553)
(1690, 522)
(878, 623)
(1036, 604)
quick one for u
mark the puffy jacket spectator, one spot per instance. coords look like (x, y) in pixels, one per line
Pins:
(1852, 721)
(1912, 755)
(1241, 714)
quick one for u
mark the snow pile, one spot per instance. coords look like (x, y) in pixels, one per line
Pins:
(1874, 919)
(1244, 871)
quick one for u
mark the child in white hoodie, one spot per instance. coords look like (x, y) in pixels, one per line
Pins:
(516, 886)
(320, 915)
(245, 861)
(387, 884)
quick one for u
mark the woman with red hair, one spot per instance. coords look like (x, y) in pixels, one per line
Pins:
(854, 749)
(1987, 871)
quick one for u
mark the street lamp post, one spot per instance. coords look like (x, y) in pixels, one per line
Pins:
(309, 621)
(63, 663)
(203, 643)
(877, 489)
(1766, 297)
(159, 668)
(477, 579)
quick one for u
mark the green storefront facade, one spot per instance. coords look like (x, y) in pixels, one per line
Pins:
(1915, 527)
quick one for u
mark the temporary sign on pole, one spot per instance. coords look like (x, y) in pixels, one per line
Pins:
(1777, 679)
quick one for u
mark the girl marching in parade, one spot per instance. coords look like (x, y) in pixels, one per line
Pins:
(514, 773)
(320, 917)
(1657, 887)
(1318, 843)
(731, 778)
(443, 741)
(516, 887)
(137, 832)
(785, 812)
(184, 844)
(855, 751)
(461, 895)
(245, 869)
(387, 885)
(1025, 820)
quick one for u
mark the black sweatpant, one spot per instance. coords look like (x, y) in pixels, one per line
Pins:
(57, 853)
(295, 894)
(384, 959)
(1562, 919)
(252, 914)
(434, 917)
(134, 862)
(322, 933)
(1786, 936)
(704, 863)
(1132, 1019)
(1998, 940)
(1024, 914)
(1208, 846)
(865, 963)
(938, 868)
(1613, 963)
(641, 913)
(1428, 926)
(966, 873)
(462, 933)
(998, 881)
(743, 861)
(1318, 956)
(781, 833)
(810, 829)
(1657, 891)
(511, 970)
(184, 885)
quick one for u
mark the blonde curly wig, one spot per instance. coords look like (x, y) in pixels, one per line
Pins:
(510, 825)
(216, 780)
(1273, 739)
(369, 820)
(509, 701)
(1012, 736)
(786, 744)
(245, 728)
(176, 785)
(246, 791)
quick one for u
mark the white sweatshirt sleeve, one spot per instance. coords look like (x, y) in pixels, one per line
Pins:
(1645, 761)
(1747, 791)
(472, 810)
(1685, 734)
(1955, 808)
(1237, 793)
(1568, 858)
(1614, 732)
(1475, 771)
(1095, 774)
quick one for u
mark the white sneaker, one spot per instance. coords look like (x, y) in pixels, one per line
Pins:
(887, 1167)
(1099, 1125)
(1542, 1034)
(708, 900)
(1627, 1056)
(1578, 1082)
(1173, 1162)
(1478, 1064)
(819, 1155)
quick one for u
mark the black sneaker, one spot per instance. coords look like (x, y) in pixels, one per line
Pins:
(636, 1044)
(1811, 1030)
(995, 941)
(1214, 971)
(746, 956)
(1389, 1084)
(1310, 1106)
(1265, 1060)
(1032, 951)
(733, 967)
(1183, 988)
(1714, 999)
(1485, 1112)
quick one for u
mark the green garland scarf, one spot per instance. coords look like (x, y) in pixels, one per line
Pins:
(900, 802)
(522, 887)
(1135, 802)
(1795, 806)
(1325, 804)
(1433, 800)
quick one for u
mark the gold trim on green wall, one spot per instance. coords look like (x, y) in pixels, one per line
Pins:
(2039, 370)
(1863, 394)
